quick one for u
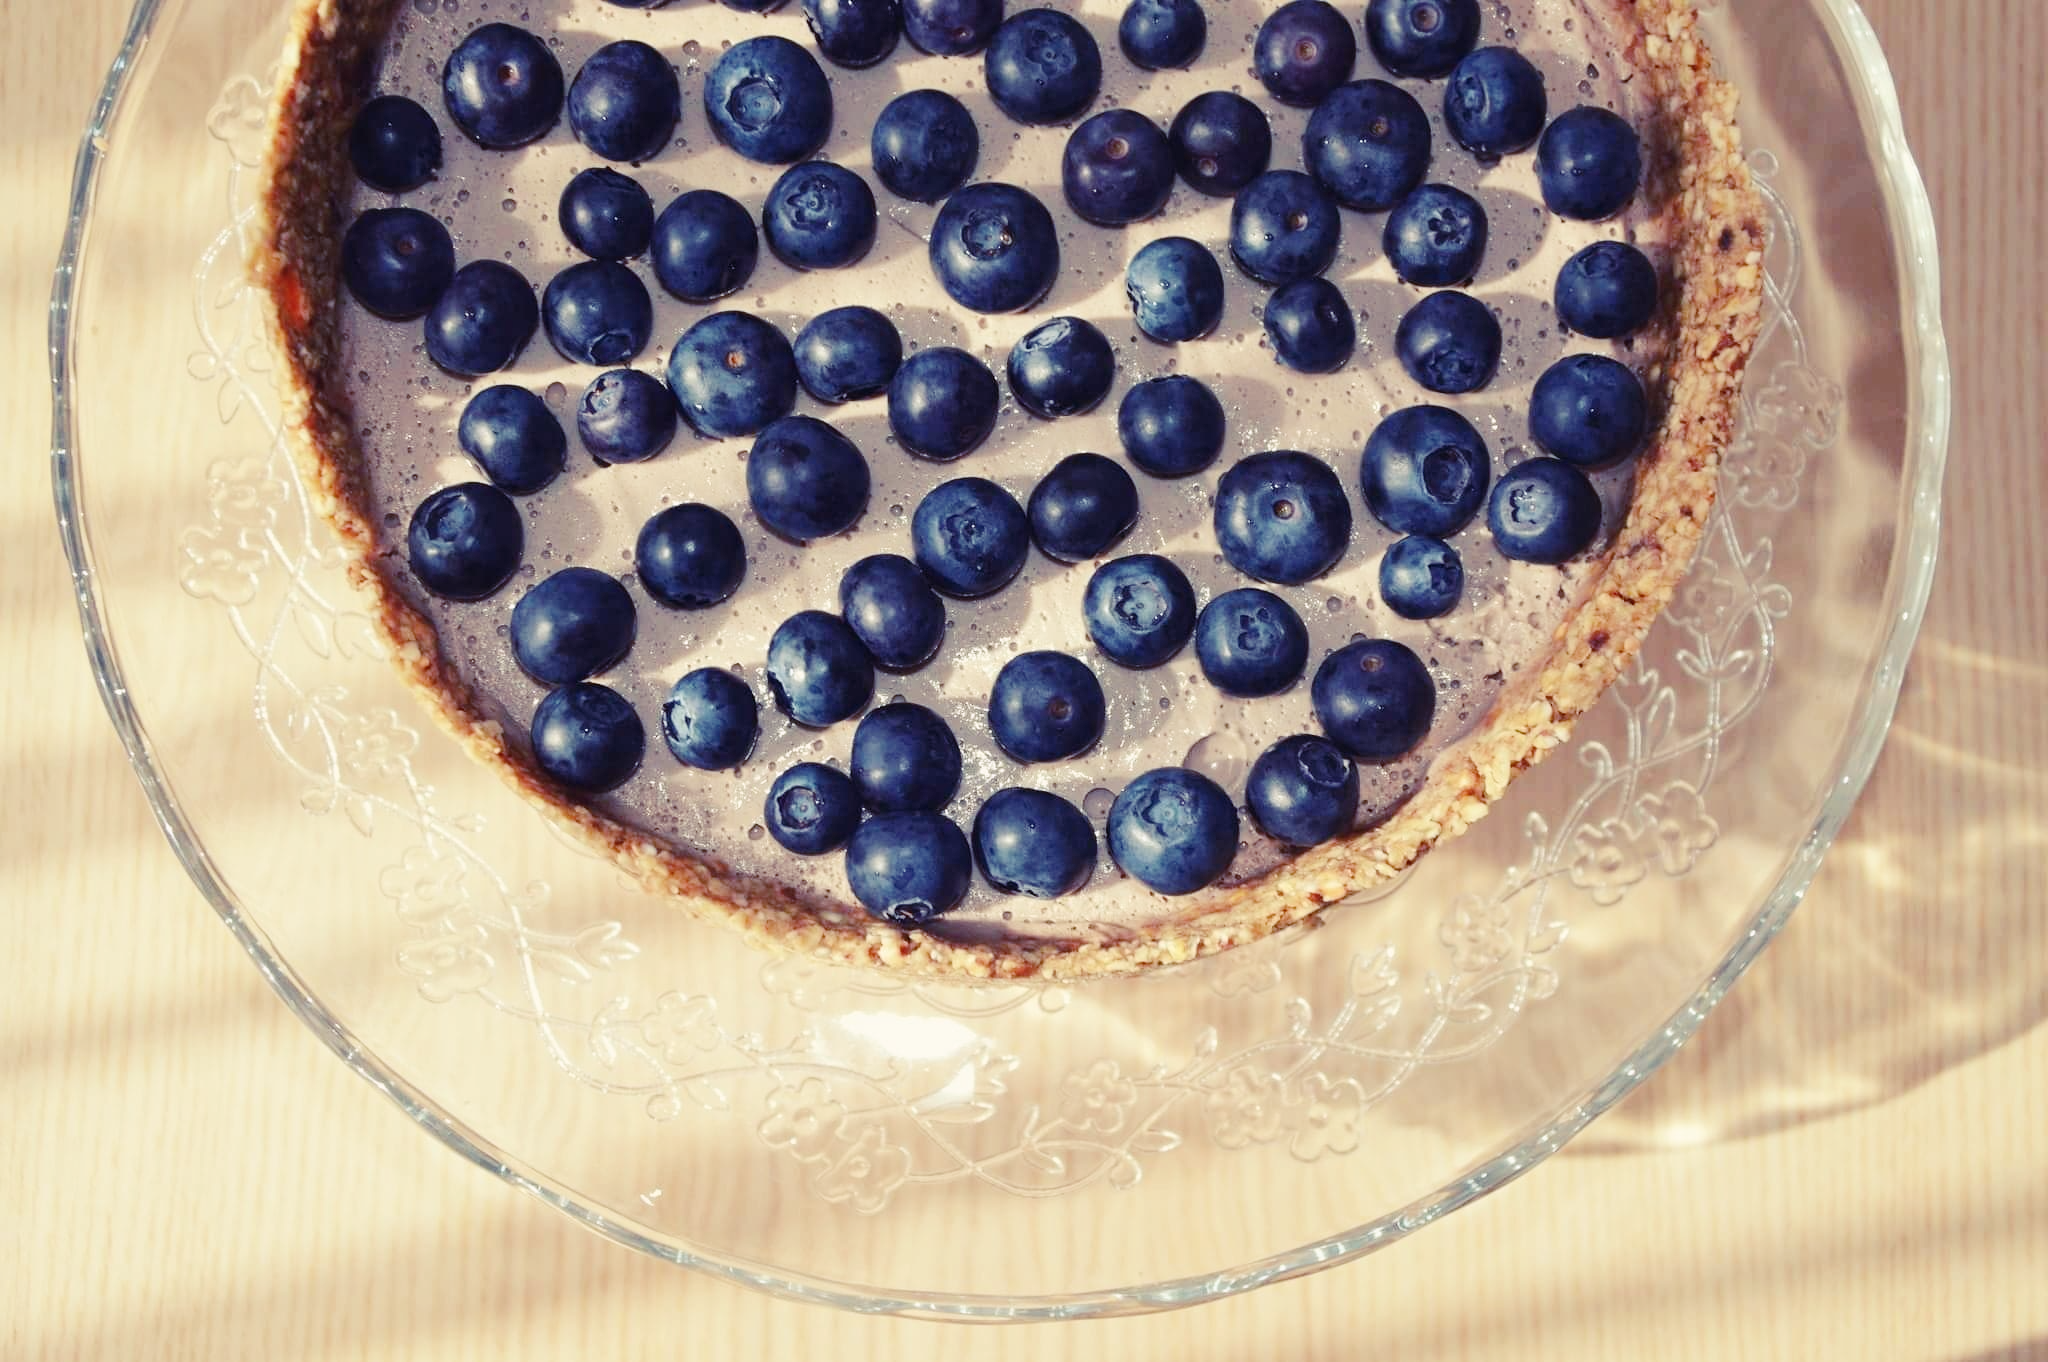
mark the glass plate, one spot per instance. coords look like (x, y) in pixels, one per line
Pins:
(1016, 1152)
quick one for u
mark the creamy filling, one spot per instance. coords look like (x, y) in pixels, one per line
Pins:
(503, 204)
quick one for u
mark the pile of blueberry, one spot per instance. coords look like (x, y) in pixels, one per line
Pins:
(1281, 517)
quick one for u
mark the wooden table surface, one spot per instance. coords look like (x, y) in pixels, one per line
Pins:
(1852, 1162)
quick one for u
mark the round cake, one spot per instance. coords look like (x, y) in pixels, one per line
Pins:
(1002, 493)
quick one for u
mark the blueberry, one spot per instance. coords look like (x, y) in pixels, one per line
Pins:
(732, 374)
(924, 146)
(1160, 35)
(625, 102)
(1368, 144)
(819, 216)
(482, 320)
(1589, 410)
(1282, 517)
(572, 625)
(1034, 843)
(1436, 237)
(1082, 507)
(1173, 830)
(1176, 289)
(854, 33)
(818, 670)
(908, 868)
(1421, 578)
(394, 145)
(892, 608)
(1171, 426)
(1494, 104)
(1046, 706)
(1310, 326)
(464, 541)
(1284, 227)
(1042, 67)
(1543, 511)
(625, 417)
(970, 537)
(606, 215)
(1589, 164)
(704, 246)
(943, 403)
(905, 758)
(1449, 343)
(1304, 50)
(744, 6)
(586, 736)
(994, 248)
(1375, 699)
(690, 556)
(1221, 142)
(1421, 39)
(847, 354)
(397, 261)
(1607, 290)
(805, 480)
(1061, 368)
(513, 437)
(1251, 643)
(710, 720)
(1425, 472)
(597, 312)
(1118, 168)
(811, 809)
(502, 86)
(768, 100)
(951, 28)
(1303, 791)
(1140, 610)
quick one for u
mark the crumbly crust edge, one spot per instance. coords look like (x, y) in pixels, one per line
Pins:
(1703, 193)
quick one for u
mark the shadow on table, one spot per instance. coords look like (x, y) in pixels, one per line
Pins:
(1920, 946)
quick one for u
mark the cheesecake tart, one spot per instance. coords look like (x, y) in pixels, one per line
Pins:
(1001, 493)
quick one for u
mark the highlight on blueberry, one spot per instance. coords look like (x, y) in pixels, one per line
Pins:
(909, 868)
(970, 537)
(1140, 610)
(572, 625)
(1449, 343)
(1171, 426)
(1176, 289)
(1251, 643)
(1544, 511)
(1282, 517)
(1046, 706)
(943, 403)
(1303, 791)
(805, 480)
(1173, 830)
(1421, 578)
(1589, 410)
(465, 541)
(690, 557)
(1425, 471)
(1374, 699)
(1033, 843)
(811, 809)
(514, 438)
(586, 737)
(710, 720)
(393, 144)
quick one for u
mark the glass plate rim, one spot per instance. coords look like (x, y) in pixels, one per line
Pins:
(1911, 217)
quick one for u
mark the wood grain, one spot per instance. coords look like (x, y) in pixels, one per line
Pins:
(1850, 1162)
